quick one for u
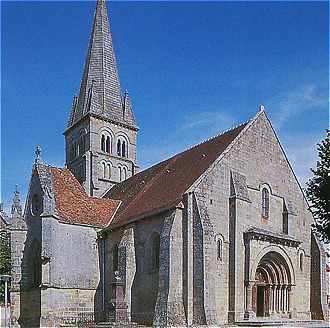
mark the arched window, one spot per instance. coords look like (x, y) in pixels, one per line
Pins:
(265, 203)
(81, 143)
(104, 170)
(74, 149)
(119, 148)
(115, 258)
(285, 223)
(108, 173)
(120, 173)
(123, 149)
(124, 174)
(108, 145)
(155, 252)
(122, 146)
(103, 142)
(220, 249)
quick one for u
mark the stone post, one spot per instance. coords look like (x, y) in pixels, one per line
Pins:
(249, 313)
(119, 310)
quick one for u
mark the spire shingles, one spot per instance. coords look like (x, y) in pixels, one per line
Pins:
(100, 92)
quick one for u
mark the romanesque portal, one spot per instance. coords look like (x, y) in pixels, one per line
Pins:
(273, 286)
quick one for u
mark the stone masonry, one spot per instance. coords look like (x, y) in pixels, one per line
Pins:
(218, 234)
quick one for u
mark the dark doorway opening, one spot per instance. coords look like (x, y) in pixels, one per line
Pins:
(260, 301)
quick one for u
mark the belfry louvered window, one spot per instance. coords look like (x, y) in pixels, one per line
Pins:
(265, 203)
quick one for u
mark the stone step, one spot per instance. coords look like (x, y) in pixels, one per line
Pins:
(118, 325)
(283, 323)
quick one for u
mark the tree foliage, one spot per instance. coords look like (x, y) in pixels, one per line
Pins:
(4, 253)
(318, 190)
(5, 262)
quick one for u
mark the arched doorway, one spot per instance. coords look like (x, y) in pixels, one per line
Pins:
(271, 290)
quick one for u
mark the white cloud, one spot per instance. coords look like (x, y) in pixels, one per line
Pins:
(192, 130)
(302, 154)
(297, 102)
(207, 120)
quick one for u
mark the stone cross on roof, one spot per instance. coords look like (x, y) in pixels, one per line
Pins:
(37, 152)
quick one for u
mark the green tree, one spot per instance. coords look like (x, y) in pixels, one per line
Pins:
(5, 264)
(318, 190)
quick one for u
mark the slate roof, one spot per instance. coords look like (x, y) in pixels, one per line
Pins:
(100, 92)
(162, 186)
(74, 206)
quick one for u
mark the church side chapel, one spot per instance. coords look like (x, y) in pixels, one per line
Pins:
(220, 233)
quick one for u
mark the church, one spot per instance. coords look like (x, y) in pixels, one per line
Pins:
(219, 233)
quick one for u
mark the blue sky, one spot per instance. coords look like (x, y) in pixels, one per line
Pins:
(192, 69)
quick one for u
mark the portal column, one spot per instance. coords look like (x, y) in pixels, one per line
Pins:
(281, 299)
(278, 298)
(249, 311)
(285, 305)
(274, 298)
(270, 300)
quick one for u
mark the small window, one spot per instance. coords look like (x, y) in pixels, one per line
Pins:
(123, 149)
(103, 142)
(115, 258)
(108, 145)
(119, 148)
(155, 252)
(104, 170)
(220, 249)
(108, 173)
(81, 143)
(265, 203)
(124, 173)
(285, 222)
(301, 261)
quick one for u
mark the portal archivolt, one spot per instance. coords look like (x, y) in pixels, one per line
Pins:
(271, 291)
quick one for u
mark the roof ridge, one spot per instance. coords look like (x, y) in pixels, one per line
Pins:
(217, 135)
(182, 152)
(149, 184)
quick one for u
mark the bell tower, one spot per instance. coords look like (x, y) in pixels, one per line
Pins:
(101, 133)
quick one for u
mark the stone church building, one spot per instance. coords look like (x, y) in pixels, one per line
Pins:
(218, 233)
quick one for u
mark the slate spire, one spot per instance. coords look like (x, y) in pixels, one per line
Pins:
(100, 92)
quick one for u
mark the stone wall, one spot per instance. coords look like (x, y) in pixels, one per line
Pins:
(258, 157)
(319, 282)
(93, 178)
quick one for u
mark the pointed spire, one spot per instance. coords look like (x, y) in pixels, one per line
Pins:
(16, 208)
(100, 88)
(73, 110)
(128, 115)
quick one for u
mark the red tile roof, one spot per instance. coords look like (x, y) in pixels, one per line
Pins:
(74, 206)
(162, 186)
